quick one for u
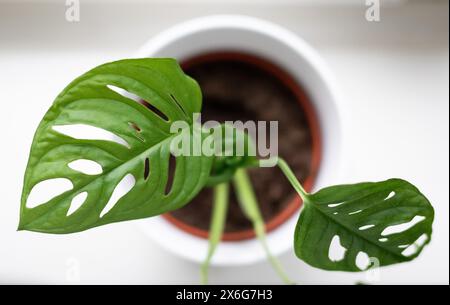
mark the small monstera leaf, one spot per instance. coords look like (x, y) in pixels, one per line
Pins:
(234, 149)
(383, 223)
(136, 100)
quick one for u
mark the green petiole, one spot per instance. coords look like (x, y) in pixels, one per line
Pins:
(219, 213)
(292, 179)
(249, 205)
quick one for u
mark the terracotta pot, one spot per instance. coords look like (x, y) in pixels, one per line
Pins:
(314, 128)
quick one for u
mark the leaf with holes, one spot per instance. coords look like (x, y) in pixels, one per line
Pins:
(381, 223)
(133, 102)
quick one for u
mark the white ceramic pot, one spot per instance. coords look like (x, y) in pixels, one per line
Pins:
(286, 50)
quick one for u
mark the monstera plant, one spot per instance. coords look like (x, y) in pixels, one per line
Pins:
(138, 100)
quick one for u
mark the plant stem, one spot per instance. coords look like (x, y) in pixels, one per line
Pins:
(249, 205)
(292, 179)
(219, 212)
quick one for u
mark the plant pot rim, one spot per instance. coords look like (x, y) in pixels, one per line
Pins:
(314, 128)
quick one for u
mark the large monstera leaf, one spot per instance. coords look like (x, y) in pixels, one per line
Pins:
(96, 99)
(387, 222)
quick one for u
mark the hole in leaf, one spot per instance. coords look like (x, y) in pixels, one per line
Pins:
(177, 103)
(333, 205)
(355, 212)
(85, 166)
(138, 99)
(124, 93)
(146, 168)
(421, 240)
(122, 188)
(383, 240)
(403, 246)
(336, 252)
(402, 227)
(76, 203)
(154, 110)
(170, 174)
(45, 190)
(414, 247)
(135, 126)
(366, 227)
(137, 130)
(362, 260)
(411, 250)
(391, 194)
(88, 132)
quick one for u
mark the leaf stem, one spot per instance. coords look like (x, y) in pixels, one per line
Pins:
(287, 171)
(249, 205)
(219, 212)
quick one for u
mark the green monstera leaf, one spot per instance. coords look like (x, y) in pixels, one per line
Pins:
(136, 101)
(382, 223)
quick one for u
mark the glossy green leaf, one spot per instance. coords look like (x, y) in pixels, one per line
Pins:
(236, 149)
(95, 99)
(386, 222)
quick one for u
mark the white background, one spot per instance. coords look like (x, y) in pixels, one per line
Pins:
(394, 79)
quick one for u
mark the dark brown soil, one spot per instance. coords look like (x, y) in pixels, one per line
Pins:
(235, 90)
